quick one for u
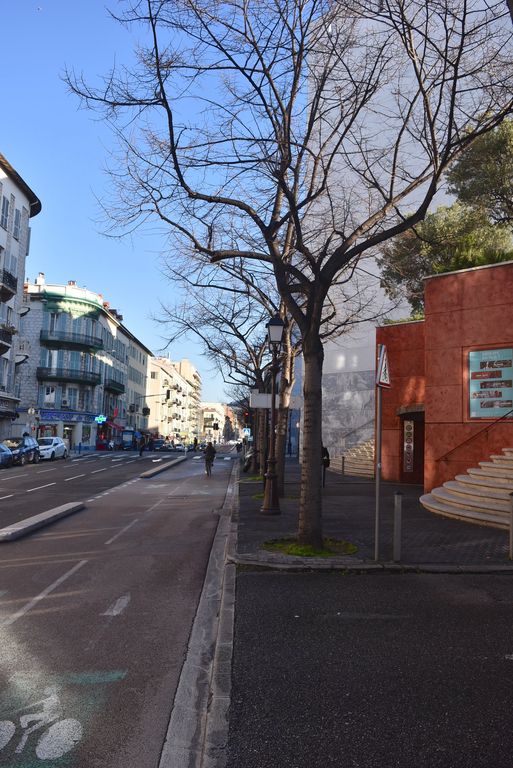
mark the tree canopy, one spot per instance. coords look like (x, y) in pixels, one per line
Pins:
(453, 237)
(482, 177)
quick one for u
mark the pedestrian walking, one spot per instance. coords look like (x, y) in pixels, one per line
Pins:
(142, 446)
(325, 463)
(210, 454)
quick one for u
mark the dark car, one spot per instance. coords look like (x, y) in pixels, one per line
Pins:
(23, 449)
(6, 457)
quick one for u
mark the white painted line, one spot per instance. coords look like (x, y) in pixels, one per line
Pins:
(98, 470)
(28, 606)
(13, 477)
(132, 461)
(29, 490)
(42, 471)
(6, 497)
(74, 477)
(113, 460)
(119, 533)
(117, 607)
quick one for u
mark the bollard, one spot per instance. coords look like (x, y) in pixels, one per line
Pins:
(511, 526)
(398, 503)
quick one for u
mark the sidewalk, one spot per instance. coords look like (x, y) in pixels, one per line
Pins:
(331, 668)
(429, 542)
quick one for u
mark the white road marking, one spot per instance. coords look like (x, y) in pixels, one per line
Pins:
(122, 531)
(13, 477)
(28, 606)
(29, 490)
(113, 460)
(98, 470)
(74, 477)
(42, 471)
(118, 607)
(6, 497)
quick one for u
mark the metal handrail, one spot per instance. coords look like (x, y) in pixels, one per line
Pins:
(476, 434)
(356, 429)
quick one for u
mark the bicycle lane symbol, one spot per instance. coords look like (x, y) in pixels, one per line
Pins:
(37, 728)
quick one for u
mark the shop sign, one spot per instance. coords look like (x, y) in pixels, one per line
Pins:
(408, 428)
(67, 416)
(490, 383)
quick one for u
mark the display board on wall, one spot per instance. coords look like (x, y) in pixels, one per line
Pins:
(490, 383)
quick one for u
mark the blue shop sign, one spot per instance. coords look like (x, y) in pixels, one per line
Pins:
(68, 416)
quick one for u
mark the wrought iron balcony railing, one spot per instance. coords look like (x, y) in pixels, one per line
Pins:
(68, 374)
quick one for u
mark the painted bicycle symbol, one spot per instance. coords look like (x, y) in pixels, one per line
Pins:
(58, 736)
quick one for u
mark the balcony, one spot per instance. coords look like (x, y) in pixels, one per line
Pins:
(8, 285)
(67, 339)
(111, 385)
(5, 340)
(68, 374)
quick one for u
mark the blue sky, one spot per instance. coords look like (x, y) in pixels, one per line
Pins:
(61, 150)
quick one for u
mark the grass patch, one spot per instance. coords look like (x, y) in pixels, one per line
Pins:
(252, 479)
(292, 547)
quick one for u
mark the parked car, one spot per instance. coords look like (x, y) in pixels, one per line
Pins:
(6, 457)
(23, 449)
(52, 448)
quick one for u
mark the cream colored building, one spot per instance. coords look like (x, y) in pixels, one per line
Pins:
(174, 394)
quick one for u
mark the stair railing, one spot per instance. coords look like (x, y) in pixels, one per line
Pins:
(476, 434)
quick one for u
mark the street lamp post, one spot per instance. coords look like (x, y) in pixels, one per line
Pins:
(271, 504)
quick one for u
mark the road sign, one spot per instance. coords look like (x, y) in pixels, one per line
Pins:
(246, 431)
(383, 374)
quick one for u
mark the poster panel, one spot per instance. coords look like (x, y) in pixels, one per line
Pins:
(490, 383)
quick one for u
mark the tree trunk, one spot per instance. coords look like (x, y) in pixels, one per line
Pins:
(282, 421)
(310, 505)
(282, 416)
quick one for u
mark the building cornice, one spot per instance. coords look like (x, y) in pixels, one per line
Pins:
(34, 201)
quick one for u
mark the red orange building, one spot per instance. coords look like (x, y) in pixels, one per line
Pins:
(450, 405)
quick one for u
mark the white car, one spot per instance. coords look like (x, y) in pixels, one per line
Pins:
(52, 448)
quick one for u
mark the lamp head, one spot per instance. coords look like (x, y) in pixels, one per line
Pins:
(275, 328)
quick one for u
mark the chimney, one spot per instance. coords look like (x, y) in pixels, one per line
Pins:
(40, 279)
(72, 283)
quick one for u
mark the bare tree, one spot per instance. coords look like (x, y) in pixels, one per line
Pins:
(300, 134)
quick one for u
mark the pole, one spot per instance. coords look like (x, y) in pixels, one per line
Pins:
(511, 526)
(377, 473)
(271, 504)
(398, 503)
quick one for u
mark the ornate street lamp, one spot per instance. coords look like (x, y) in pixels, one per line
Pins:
(271, 504)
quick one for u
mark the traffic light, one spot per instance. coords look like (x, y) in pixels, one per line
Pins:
(215, 426)
(246, 418)
(168, 394)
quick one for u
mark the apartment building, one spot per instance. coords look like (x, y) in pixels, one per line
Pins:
(18, 204)
(85, 373)
(167, 401)
(190, 397)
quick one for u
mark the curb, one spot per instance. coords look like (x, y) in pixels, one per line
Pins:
(24, 527)
(274, 562)
(162, 467)
(198, 727)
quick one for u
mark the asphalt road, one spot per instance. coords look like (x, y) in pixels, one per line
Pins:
(375, 671)
(95, 615)
(34, 488)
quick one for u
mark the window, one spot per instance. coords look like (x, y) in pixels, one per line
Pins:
(17, 224)
(49, 396)
(4, 216)
(72, 397)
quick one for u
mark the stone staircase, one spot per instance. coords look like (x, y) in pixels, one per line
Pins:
(358, 461)
(480, 496)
